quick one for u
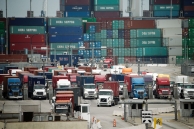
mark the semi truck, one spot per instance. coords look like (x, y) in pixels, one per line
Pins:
(88, 88)
(12, 87)
(55, 79)
(105, 97)
(36, 87)
(120, 79)
(187, 91)
(63, 83)
(162, 88)
(180, 81)
(99, 80)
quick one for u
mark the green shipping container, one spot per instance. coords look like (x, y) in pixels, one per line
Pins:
(97, 36)
(106, 8)
(115, 43)
(103, 52)
(127, 52)
(115, 34)
(146, 42)
(2, 25)
(106, 2)
(145, 33)
(139, 52)
(115, 51)
(121, 51)
(103, 34)
(166, 7)
(133, 51)
(155, 51)
(109, 43)
(121, 24)
(189, 42)
(66, 21)
(179, 59)
(27, 30)
(115, 24)
(103, 42)
(50, 69)
(191, 32)
(190, 51)
(2, 32)
(121, 60)
(191, 22)
(121, 42)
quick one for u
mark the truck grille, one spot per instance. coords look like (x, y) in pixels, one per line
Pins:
(90, 92)
(15, 93)
(164, 92)
(140, 92)
(103, 100)
(190, 92)
(39, 93)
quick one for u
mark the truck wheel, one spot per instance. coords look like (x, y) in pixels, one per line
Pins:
(110, 105)
(113, 104)
(98, 105)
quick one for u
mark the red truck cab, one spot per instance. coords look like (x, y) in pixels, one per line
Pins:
(162, 87)
(127, 81)
(108, 62)
(99, 80)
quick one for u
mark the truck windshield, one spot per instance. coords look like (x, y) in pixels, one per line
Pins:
(121, 83)
(105, 93)
(73, 83)
(189, 86)
(164, 87)
(89, 86)
(39, 87)
(139, 87)
(63, 86)
(15, 87)
(149, 83)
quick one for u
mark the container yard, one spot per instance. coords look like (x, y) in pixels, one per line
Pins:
(97, 64)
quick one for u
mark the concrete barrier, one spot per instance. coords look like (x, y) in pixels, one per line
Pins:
(162, 65)
(154, 111)
(149, 65)
(142, 126)
(118, 113)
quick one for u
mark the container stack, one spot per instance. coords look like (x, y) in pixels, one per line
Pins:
(106, 8)
(2, 35)
(162, 8)
(27, 34)
(64, 35)
(188, 8)
(76, 8)
(85, 20)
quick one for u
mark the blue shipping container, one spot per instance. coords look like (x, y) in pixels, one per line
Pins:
(77, 14)
(77, 8)
(35, 80)
(188, 2)
(92, 37)
(63, 30)
(86, 37)
(65, 38)
(2, 40)
(48, 75)
(26, 22)
(92, 29)
(121, 34)
(117, 77)
(80, 44)
(109, 34)
(188, 13)
(97, 44)
(166, 13)
(66, 59)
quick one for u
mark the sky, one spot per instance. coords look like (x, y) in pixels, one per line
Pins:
(19, 8)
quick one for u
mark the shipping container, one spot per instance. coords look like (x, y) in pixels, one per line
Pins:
(65, 21)
(127, 43)
(165, 13)
(168, 23)
(189, 42)
(2, 25)
(65, 38)
(110, 14)
(140, 24)
(166, 2)
(175, 51)
(77, 2)
(27, 21)
(188, 14)
(179, 59)
(27, 30)
(141, 33)
(172, 41)
(171, 32)
(93, 27)
(65, 30)
(191, 22)
(77, 14)
(29, 46)
(189, 8)
(77, 8)
(188, 2)
(155, 51)
(127, 34)
(106, 2)
(64, 46)
(146, 42)
(85, 20)
(27, 38)
(185, 23)
(106, 8)
(166, 7)
(191, 32)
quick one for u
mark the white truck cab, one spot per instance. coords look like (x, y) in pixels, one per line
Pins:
(180, 81)
(90, 91)
(13, 71)
(187, 91)
(62, 83)
(39, 91)
(105, 97)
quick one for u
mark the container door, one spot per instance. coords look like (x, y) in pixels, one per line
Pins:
(85, 112)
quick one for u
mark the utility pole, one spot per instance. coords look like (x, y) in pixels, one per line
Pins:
(6, 30)
(138, 66)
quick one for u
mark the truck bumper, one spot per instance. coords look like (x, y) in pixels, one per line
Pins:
(15, 97)
(91, 96)
(39, 97)
(164, 96)
(105, 104)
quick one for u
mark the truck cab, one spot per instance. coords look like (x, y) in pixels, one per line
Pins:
(99, 80)
(15, 88)
(107, 63)
(90, 91)
(138, 88)
(162, 87)
(13, 71)
(120, 79)
(187, 91)
(180, 81)
(39, 91)
(62, 83)
(105, 97)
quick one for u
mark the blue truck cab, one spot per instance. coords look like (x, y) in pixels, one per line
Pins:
(120, 79)
(15, 88)
(138, 88)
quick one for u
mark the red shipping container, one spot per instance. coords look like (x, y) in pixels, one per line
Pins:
(56, 78)
(87, 44)
(166, 1)
(185, 31)
(188, 8)
(109, 52)
(127, 80)
(103, 25)
(140, 24)
(21, 46)
(109, 24)
(127, 43)
(131, 59)
(115, 59)
(77, 2)
(127, 34)
(96, 24)
(102, 14)
(26, 38)
(114, 85)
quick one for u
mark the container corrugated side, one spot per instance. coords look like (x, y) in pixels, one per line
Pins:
(158, 13)
(172, 41)
(175, 51)
(169, 23)
(105, 14)
(191, 22)
(65, 38)
(106, 2)
(77, 8)
(27, 38)
(191, 32)
(2, 25)
(106, 8)
(77, 14)
(27, 22)
(155, 51)
(140, 33)
(166, 7)
(188, 14)
(171, 32)
(64, 30)
(27, 30)
(146, 42)
(63, 46)
(65, 21)
(166, 1)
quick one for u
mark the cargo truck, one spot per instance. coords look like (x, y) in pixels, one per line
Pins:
(88, 88)
(6, 68)
(12, 72)
(63, 83)
(105, 97)
(12, 87)
(99, 80)
(55, 79)
(107, 63)
(180, 81)
(36, 87)
(120, 79)
(114, 86)
(162, 87)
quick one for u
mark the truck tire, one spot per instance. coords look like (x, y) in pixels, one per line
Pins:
(116, 102)
(98, 105)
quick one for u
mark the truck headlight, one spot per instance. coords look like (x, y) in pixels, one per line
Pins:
(185, 92)
(85, 92)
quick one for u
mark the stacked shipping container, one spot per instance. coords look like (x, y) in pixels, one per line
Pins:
(28, 34)
(188, 8)
(2, 35)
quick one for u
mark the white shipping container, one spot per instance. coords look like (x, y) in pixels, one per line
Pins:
(171, 32)
(175, 51)
(173, 41)
(125, 8)
(169, 23)
(172, 59)
(137, 8)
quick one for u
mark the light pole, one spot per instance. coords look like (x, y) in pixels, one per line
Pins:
(185, 35)
(43, 60)
(138, 60)
(6, 30)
